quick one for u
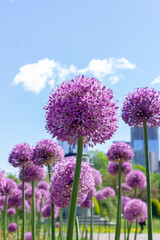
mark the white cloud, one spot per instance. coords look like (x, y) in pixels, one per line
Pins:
(156, 80)
(36, 76)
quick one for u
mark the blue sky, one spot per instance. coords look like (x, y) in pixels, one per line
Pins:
(46, 42)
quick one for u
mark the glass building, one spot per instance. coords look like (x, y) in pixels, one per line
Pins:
(137, 143)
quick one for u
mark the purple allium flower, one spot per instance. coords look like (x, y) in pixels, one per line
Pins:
(87, 201)
(28, 194)
(120, 151)
(97, 176)
(108, 192)
(134, 210)
(62, 181)
(11, 211)
(47, 152)
(1, 208)
(57, 224)
(32, 173)
(99, 195)
(46, 211)
(12, 227)
(136, 179)
(26, 185)
(2, 181)
(142, 104)
(44, 194)
(9, 188)
(15, 200)
(27, 206)
(81, 107)
(125, 187)
(125, 200)
(113, 168)
(43, 185)
(21, 154)
(28, 236)
(2, 200)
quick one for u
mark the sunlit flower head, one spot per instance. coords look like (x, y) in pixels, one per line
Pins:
(113, 168)
(108, 192)
(32, 173)
(136, 179)
(12, 227)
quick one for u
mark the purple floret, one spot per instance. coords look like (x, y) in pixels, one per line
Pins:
(28, 236)
(97, 176)
(142, 104)
(47, 152)
(11, 211)
(120, 151)
(81, 107)
(125, 187)
(125, 200)
(32, 173)
(87, 202)
(2, 181)
(62, 181)
(21, 154)
(26, 185)
(99, 195)
(12, 227)
(108, 192)
(46, 211)
(15, 200)
(136, 179)
(43, 185)
(9, 188)
(113, 168)
(135, 210)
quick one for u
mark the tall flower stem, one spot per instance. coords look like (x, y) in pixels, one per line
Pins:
(135, 236)
(5, 218)
(33, 214)
(124, 221)
(99, 221)
(72, 209)
(52, 211)
(84, 224)
(77, 228)
(60, 223)
(23, 205)
(149, 205)
(109, 217)
(119, 210)
(129, 229)
(17, 219)
(91, 232)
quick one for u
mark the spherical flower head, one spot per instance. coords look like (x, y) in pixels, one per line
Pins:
(46, 211)
(9, 188)
(143, 104)
(15, 200)
(87, 202)
(28, 194)
(2, 200)
(81, 107)
(62, 182)
(20, 155)
(44, 193)
(125, 187)
(113, 168)
(32, 173)
(135, 210)
(26, 185)
(28, 236)
(125, 200)
(47, 152)
(97, 176)
(136, 179)
(120, 151)
(11, 211)
(12, 227)
(108, 192)
(99, 196)
(2, 181)
(43, 185)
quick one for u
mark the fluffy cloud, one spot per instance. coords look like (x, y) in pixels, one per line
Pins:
(36, 76)
(156, 80)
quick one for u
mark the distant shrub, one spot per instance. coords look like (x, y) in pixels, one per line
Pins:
(155, 207)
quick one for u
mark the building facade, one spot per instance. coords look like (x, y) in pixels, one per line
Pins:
(137, 143)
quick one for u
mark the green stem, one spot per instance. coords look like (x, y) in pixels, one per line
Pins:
(72, 209)
(52, 211)
(149, 205)
(135, 236)
(99, 221)
(119, 210)
(5, 218)
(84, 225)
(129, 229)
(77, 228)
(60, 223)
(17, 218)
(23, 205)
(91, 232)
(124, 221)
(109, 218)
(33, 214)
(135, 192)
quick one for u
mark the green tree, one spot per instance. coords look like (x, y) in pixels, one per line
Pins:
(13, 177)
